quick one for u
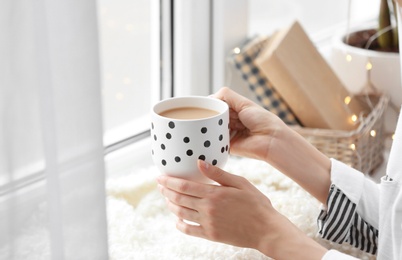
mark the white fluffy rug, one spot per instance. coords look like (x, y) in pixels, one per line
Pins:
(140, 226)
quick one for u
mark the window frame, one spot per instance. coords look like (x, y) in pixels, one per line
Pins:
(195, 60)
(160, 45)
(194, 40)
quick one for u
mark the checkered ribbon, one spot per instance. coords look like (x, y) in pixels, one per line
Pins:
(265, 92)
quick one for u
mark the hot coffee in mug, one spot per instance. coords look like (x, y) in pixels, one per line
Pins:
(188, 113)
(187, 129)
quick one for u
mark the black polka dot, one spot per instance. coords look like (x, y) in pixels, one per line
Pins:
(163, 146)
(171, 124)
(177, 159)
(214, 162)
(186, 140)
(163, 162)
(152, 125)
(222, 149)
(168, 136)
(189, 152)
(220, 122)
(155, 138)
(204, 130)
(201, 157)
(207, 143)
(220, 137)
(152, 152)
(227, 147)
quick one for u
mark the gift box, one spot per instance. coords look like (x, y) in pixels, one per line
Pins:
(306, 82)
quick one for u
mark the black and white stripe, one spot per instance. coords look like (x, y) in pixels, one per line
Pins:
(340, 223)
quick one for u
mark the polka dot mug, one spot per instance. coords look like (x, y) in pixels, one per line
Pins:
(177, 144)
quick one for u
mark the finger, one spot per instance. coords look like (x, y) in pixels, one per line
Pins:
(233, 114)
(179, 198)
(235, 121)
(183, 212)
(188, 229)
(221, 177)
(235, 101)
(183, 186)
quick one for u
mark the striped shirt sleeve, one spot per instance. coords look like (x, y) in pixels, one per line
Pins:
(339, 222)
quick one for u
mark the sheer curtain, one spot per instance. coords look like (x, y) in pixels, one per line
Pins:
(52, 195)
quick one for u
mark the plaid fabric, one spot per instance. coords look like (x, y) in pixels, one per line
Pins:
(258, 83)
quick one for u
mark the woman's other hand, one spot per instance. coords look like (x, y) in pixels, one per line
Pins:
(234, 212)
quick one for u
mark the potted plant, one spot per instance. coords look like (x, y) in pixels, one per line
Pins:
(367, 59)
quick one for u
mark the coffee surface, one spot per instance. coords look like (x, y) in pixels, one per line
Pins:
(188, 113)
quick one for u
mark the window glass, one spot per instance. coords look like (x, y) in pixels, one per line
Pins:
(126, 28)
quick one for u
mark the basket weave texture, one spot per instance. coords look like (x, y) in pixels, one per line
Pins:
(361, 148)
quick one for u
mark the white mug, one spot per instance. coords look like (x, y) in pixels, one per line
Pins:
(177, 144)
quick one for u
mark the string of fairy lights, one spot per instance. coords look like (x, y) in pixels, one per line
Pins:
(370, 87)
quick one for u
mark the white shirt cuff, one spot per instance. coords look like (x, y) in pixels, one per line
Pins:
(347, 179)
(336, 255)
(360, 190)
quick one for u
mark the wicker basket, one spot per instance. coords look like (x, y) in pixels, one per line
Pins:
(361, 148)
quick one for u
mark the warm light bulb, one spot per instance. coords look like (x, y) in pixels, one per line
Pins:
(127, 81)
(347, 100)
(352, 146)
(236, 50)
(373, 133)
(369, 66)
(348, 57)
(108, 76)
(354, 118)
(104, 11)
(119, 96)
(111, 23)
(129, 27)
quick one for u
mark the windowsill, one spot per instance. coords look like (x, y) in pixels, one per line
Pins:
(129, 159)
(127, 130)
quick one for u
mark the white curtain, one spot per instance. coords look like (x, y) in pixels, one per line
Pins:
(52, 195)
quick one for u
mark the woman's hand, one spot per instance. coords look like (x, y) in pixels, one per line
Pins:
(252, 127)
(257, 133)
(236, 213)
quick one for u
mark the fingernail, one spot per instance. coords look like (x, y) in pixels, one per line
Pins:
(203, 164)
(159, 178)
(232, 134)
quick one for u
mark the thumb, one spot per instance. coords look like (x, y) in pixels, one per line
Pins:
(220, 176)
